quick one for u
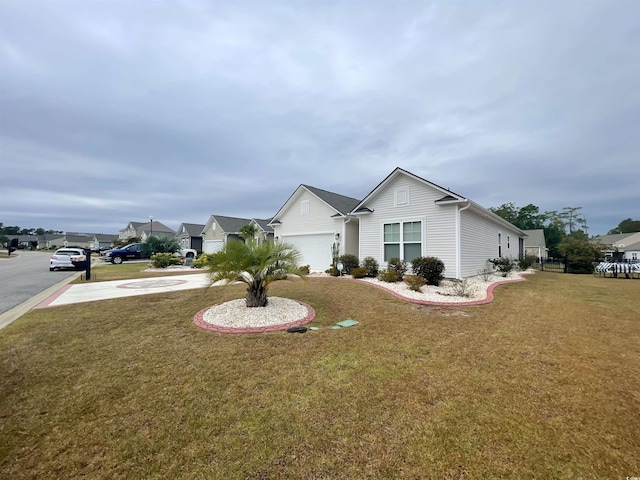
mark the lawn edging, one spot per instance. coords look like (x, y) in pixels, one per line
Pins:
(200, 322)
(471, 303)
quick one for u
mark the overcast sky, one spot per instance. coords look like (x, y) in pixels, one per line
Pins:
(112, 111)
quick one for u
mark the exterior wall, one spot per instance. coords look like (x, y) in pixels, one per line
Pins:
(211, 234)
(352, 238)
(438, 222)
(479, 242)
(632, 256)
(317, 220)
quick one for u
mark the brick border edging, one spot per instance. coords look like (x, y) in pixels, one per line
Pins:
(484, 301)
(199, 321)
(49, 300)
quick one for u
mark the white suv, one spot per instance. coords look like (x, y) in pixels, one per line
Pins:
(68, 258)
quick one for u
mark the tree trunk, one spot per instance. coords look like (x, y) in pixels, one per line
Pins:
(257, 295)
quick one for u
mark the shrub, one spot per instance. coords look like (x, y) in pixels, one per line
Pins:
(429, 268)
(202, 260)
(396, 265)
(333, 271)
(163, 260)
(580, 265)
(348, 262)
(390, 276)
(485, 274)
(503, 265)
(458, 288)
(304, 270)
(358, 272)
(371, 265)
(414, 282)
(524, 263)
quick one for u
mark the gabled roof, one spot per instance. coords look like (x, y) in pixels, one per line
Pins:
(535, 238)
(157, 227)
(263, 224)
(228, 224)
(340, 203)
(193, 229)
(448, 197)
(633, 247)
(612, 239)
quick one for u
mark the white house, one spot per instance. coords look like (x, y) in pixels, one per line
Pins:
(313, 220)
(405, 216)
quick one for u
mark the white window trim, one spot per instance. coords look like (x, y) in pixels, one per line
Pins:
(402, 221)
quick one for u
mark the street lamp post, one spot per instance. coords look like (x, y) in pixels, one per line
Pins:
(151, 220)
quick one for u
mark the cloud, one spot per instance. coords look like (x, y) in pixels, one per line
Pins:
(180, 110)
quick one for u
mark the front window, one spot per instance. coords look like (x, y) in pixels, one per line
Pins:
(402, 240)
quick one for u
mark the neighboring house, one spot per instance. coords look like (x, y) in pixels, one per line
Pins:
(219, 230)
(265, 231)
(51, 240)
(190, 235)
(632, 253)
(313, 220)
(82, 240)
(619, 246)
(405, 216)
(25, 241)
(102, 241)
(145, 230)
(535, 245)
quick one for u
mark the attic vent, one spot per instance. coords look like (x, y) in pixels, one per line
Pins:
(402, 196)
(304, 207)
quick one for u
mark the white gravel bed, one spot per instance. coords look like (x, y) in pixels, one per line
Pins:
(236, 314)
(446, 292)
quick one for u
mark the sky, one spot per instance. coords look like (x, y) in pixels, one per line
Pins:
(115, 111)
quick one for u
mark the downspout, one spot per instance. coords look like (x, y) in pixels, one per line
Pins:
(459, 241)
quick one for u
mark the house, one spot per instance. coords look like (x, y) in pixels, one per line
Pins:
(535, 244)
(632, 253)
(619, 246)
(264, 230)
(404, 216)
(145, 230)
(101, 241)
(407, 216)
(190, 235)
(220, 229)
(313, 220)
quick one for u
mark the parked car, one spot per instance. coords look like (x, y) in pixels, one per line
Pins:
(68, 257)
(129, 252)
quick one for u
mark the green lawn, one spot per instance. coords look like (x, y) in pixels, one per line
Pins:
(542, 383)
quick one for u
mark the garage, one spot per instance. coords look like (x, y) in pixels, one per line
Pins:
(315, 249)
(212, 246)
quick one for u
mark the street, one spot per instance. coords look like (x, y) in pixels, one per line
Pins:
(24, 275)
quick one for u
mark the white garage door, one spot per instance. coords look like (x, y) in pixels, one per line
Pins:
(212, 246)
(315, 249)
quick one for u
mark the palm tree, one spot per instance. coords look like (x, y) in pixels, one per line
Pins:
(248, 232)
(257, 265)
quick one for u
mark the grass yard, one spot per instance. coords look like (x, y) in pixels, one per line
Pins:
(542, 383)
(104, 271)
